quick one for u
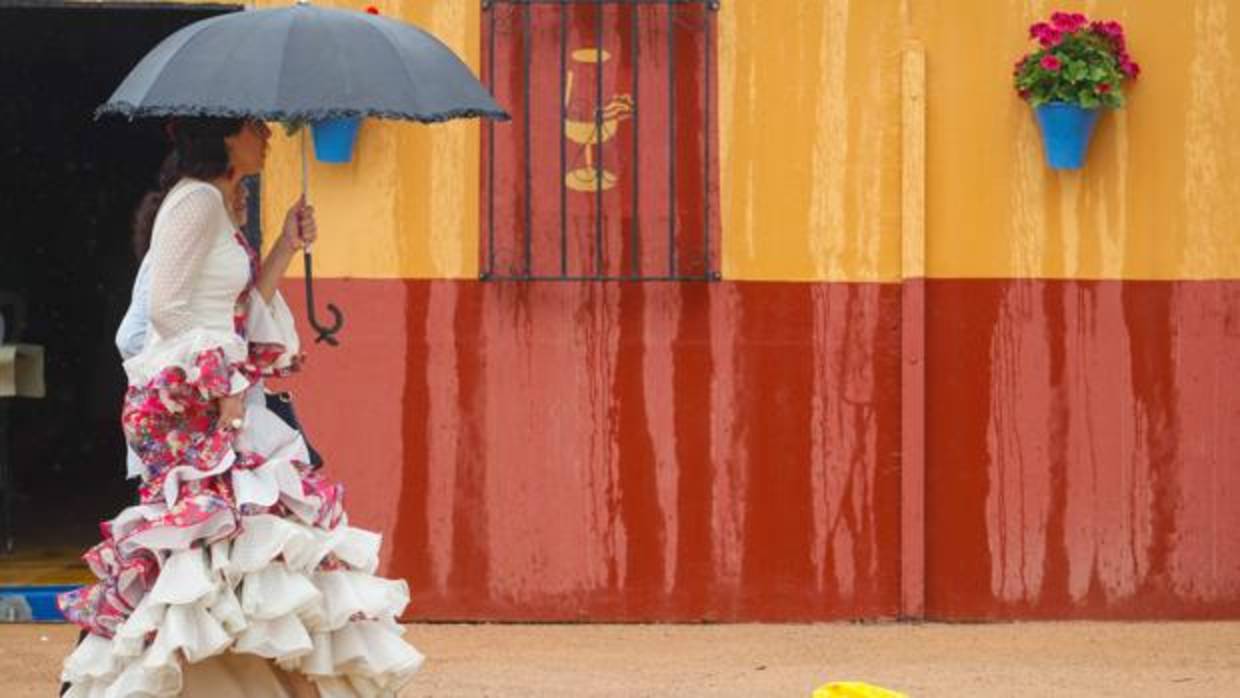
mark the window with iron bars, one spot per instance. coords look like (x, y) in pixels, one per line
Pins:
(608, 169)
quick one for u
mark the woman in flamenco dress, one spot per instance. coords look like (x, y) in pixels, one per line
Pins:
(237, 573)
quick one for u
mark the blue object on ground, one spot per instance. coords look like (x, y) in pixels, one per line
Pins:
(41, 599)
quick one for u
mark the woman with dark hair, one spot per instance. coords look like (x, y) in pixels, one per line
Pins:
(237, 573)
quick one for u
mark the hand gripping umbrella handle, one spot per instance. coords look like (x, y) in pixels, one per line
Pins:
(327, 333)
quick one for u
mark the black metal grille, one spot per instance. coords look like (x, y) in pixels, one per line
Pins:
(540, 254)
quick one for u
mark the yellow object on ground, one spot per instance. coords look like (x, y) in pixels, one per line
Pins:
(854, 689)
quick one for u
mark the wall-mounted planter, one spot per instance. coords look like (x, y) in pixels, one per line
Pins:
(1066, 131)
(334, 139)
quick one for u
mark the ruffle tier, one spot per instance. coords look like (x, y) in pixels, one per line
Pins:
(256, 560)
(265, 592)
(220, 361)
(237, 545)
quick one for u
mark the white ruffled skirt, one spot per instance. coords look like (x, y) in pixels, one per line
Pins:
(227, 577)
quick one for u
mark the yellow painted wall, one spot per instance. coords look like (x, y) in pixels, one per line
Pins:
(407, 205)
(810, 160)
(810, 151)
(810, 138)
(1159, 197)
(799, 200)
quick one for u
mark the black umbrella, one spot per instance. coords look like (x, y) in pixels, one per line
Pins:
(301, 64)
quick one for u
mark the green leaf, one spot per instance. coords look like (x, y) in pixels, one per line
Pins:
(1088, 98)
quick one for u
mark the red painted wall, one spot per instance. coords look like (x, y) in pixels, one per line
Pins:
(1082, 449)
(734, 451)
(621, 451)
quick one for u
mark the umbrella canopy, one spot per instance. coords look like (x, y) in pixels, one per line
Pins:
(302, 63)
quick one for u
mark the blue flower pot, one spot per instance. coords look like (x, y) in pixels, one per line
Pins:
(1066, 129)
(334, 139)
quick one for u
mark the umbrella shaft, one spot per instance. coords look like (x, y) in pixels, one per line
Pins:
(305, 179)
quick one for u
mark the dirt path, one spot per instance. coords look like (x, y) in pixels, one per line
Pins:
(559, 661)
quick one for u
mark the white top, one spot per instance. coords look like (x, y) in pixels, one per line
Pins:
(197, 267)
(186, 292)
(131, 338)
(197, 270)
(131, 335)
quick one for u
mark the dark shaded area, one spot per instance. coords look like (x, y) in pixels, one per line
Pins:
(70, 186)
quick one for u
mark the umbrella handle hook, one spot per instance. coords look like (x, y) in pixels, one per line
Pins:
(327, 333)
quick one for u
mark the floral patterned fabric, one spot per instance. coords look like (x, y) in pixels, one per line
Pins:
(171, 422)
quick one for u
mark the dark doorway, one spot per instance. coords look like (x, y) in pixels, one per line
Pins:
(70, 186)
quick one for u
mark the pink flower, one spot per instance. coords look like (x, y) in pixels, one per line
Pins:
(1051, 63)
(1128, 67)
(1047, 35)
(1112, 32)
(1050, 38)
(1069, 23)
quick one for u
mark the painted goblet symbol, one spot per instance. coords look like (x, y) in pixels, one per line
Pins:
(594, 132)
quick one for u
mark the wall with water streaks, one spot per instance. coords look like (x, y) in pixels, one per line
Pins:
(1037, 421)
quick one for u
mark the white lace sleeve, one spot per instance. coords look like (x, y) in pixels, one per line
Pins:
(178, 247)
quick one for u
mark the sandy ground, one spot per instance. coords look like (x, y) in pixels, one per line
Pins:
(553, 661)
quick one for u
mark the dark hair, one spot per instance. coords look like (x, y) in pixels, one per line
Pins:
(198, 151)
